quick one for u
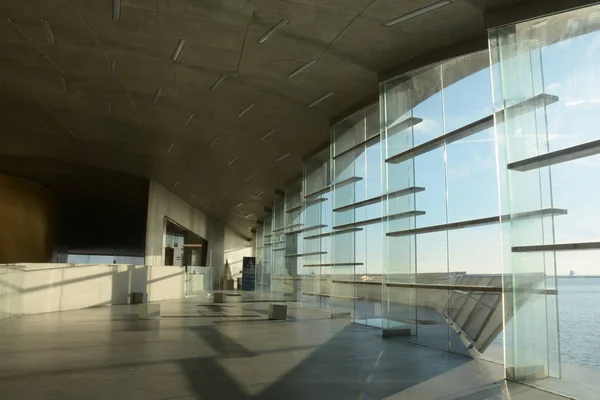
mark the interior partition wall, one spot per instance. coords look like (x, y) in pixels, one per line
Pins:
(550, 157)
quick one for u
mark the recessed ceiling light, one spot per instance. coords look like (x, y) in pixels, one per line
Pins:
(302, 68)
(283, 157)
(418, 12)
(232, 161)
(248, 178)
(178, 49)
(48, 31)
(192, 196)
(268, 134)
(170, 148)
(113, 67)
(320, 99)
(175, 185)
(218, 82)
(156, 95)
(108, 109)
(213, 142)
(116, 11)
(246, 110)
(65, 86)
(188, 120)
(274, 29)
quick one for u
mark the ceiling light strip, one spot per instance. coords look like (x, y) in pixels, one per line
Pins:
(209, 180)
(188, 120)
(116, 11)
(178, 49)
(274, 29)
(239, 205)
(175, 185)
(108, 109)
(212, 142)
(113, 67)
(314, 103)
(192, 196)
(283, 157)
(232, 161)
(302, 68)
(248, 178)
(170, 148)
(260, 194)
(248, 216)
(246, 110)
(207, 206)
(268, 134)
(48, 31)
(156, 95)
(218, 82)
(418, 12)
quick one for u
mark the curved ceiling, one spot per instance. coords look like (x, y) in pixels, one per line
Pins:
(217, 120)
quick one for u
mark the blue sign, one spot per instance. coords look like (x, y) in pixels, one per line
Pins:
(248, 273)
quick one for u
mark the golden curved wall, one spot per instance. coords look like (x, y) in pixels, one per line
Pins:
(28, 218)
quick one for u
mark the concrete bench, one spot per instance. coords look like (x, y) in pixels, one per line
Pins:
(149, 311)
(219, 298)
(277, 311)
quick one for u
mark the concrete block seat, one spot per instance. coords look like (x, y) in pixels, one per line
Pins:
(149, 311)
(277, 311)
(219, 298)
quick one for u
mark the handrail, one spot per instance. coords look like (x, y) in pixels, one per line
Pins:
(464, 288)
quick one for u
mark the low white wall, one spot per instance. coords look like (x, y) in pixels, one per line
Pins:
(39, 288)
(11, 281)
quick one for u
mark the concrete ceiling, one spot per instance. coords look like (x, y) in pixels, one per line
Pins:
(60, 101)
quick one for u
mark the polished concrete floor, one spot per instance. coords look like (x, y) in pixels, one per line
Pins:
(202, 351)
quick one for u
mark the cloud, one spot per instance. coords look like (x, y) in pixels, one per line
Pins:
(428, 126)
(553, 87)
(574, 103)
(483, 140)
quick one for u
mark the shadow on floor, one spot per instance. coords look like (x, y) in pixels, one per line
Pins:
(351, 365)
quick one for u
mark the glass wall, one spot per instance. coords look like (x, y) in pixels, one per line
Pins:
(545, 74)
(455, 213)
(316, 240)
(294, 227)
(357, 224)
(442, 260)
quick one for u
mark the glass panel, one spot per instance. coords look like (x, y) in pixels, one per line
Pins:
(356, 197)
(316, 212)
(550, 152)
